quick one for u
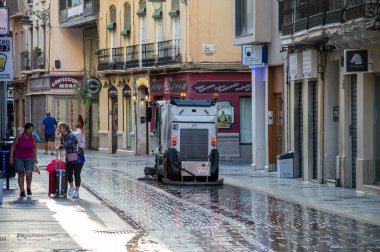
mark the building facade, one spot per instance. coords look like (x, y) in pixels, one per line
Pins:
(152, 51)
(333, 72)
(257, 33)
(50, 51)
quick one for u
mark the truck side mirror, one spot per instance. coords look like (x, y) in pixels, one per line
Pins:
(148, 114)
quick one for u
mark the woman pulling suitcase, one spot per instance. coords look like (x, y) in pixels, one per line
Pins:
(74, 157)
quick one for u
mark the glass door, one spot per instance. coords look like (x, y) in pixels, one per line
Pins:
(376, 132)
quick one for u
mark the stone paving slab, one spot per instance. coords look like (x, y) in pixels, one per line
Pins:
(41, 223)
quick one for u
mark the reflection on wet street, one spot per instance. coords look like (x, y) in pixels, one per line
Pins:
(227, 218)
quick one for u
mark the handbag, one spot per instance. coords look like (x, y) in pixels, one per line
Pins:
(71, 157)
(36, 169)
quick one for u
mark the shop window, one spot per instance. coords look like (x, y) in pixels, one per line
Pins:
(245, 107)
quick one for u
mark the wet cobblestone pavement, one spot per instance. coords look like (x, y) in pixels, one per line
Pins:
(226, 218)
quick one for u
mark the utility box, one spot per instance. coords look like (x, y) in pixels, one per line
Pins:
(285, 165)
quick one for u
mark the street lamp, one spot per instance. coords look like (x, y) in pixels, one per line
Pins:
(43, 15)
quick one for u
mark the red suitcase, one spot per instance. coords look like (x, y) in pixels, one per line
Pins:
(57, 177)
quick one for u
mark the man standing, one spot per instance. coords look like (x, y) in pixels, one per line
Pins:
(49, 125)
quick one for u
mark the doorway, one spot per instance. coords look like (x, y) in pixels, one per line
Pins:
(278, 117)
(353, 140)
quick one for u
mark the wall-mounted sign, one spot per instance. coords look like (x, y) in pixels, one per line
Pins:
(6, 60)
(310, 64)
(210, 87)
(40, 83)
(112, 92)
(336, 114)
(4, 21)
(355, 60)
(93, 85)
(295, 66)
(253, 55)
(270, 117)
(208, 48)
(65, 81)
(127, 91)
(225, 114)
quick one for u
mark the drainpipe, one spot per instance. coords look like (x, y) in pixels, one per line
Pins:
(322, 72)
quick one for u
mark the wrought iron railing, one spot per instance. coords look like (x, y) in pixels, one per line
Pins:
(334, 16)
(90, 7)
(24, 61)
(169, 52)
(132, 56)
(362, 9)
(148, 55)
(104, 59)
(117, 58)
(38, 60)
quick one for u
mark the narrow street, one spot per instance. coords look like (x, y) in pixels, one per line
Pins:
(224, 218)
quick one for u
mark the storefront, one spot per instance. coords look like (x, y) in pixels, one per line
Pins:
(52, 93)
(234, 104)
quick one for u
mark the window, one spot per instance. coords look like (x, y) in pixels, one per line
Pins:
(113, 14)
(335, 5)
(243, 17)
(159, 30)
(245, 120)
(127, 17)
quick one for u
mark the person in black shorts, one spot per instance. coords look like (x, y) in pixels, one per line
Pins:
(49, 125)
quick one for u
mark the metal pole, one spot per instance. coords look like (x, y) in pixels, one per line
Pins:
(3, 105)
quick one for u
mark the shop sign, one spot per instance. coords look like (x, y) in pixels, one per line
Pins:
(4, 21)
(37, 84)
(127, 91)
(310, 63)
(156, 86)
(93, 85)
(64, 81)
(210, 87)
(254, 55)
(6, 59)
(178, 86)
(225, 114)
(295, 66)
(355, 60)
(166, 86)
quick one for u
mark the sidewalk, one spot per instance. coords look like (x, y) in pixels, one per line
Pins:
(41, 223)
(360, 206)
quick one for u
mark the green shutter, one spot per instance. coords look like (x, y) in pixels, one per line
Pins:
(175, 8)
(157, 14)
(142, 9)
(127, 20)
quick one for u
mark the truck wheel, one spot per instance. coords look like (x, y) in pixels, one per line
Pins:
(158, 175)
(214, 159)
(172, 163)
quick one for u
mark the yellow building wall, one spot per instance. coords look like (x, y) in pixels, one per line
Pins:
(66, 45)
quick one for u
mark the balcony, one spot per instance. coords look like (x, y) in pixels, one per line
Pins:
(169, 52)
(334, 16)
(148, 55)
(25, 61)
(117, 58)
(132, 57)
(316, 13)
(16, 8)
(104, 59)
(79, 16)
(34, 60)
(366, 9)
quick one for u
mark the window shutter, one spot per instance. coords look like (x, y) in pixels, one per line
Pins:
(175, 8)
